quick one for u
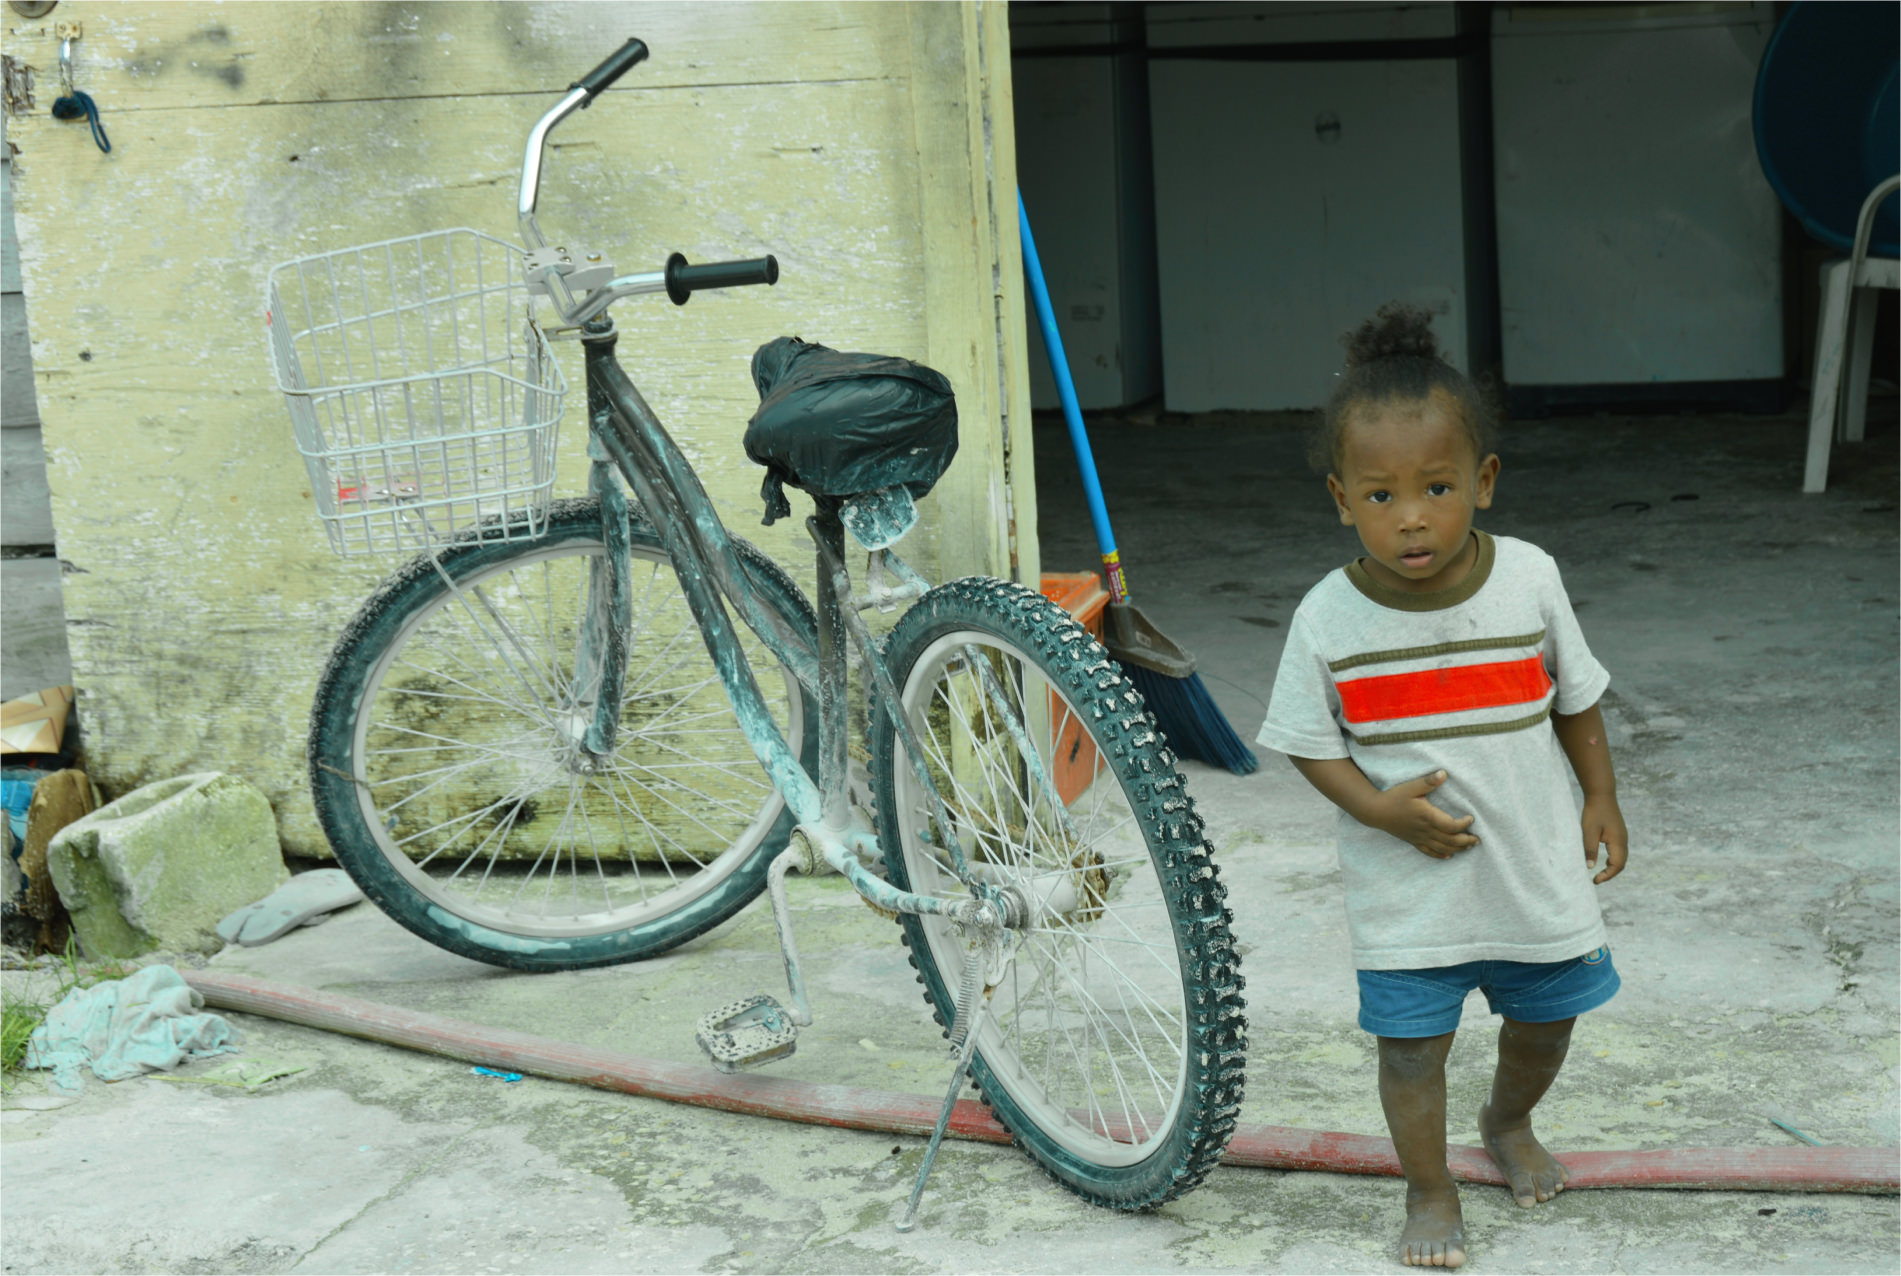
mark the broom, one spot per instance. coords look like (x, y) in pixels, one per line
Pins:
(1160, 669)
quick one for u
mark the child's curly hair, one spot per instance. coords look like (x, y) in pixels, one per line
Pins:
(1392, 356)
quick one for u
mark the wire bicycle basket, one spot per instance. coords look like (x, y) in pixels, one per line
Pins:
(422, 394)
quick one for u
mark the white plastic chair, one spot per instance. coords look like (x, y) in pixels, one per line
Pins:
(1847, 329)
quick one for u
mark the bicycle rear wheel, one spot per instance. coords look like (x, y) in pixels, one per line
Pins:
(1114, 1043)
(445, 773)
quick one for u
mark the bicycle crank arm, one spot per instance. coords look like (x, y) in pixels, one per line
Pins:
(796, 856)
(759, 1030)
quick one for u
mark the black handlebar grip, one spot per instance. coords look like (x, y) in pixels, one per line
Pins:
(619, 63)
(684, 280)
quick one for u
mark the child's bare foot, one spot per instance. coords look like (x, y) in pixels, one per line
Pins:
(1534, 1173)
(1435, 1229)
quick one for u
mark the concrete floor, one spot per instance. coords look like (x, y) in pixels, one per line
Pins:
(1751, 633)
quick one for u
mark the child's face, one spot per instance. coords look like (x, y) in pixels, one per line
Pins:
(1409, 484)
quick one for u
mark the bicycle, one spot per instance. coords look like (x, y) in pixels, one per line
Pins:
(544, 743)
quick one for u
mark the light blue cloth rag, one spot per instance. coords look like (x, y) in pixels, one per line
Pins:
(128, 1027)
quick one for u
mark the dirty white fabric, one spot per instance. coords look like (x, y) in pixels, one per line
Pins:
(304, 900)
(1465, 680)
(142, 1023)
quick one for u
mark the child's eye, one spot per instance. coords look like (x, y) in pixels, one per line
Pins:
(1439, 489)
(1380, 497)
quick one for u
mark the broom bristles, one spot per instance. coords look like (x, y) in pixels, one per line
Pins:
(1188, 716)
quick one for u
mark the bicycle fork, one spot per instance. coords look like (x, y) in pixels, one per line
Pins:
(600, 663)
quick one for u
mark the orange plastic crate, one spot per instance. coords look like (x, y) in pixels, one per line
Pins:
(1082, 595)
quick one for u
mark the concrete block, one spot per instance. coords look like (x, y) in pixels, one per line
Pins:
(157, 869)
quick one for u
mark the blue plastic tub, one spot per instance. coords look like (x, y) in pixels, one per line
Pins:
(1828, 127)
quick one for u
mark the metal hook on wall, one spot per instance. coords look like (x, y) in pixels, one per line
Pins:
(76, 105)
(68, 32)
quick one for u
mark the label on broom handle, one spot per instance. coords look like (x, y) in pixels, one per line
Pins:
(1118, 586)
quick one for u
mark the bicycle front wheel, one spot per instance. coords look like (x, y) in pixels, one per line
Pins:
(444, 765)
(1113, 1045)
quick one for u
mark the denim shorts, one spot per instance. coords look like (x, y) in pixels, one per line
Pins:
(1426, 1003)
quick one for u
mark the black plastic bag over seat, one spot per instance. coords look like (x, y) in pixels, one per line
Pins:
(837, 424)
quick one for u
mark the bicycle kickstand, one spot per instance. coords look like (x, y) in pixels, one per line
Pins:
(971, 1006)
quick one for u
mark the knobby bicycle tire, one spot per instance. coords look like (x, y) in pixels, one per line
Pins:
(1114, 1044)
(455, 808)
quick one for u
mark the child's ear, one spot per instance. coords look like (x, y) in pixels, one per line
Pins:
(1488, 475)
(1339, 492)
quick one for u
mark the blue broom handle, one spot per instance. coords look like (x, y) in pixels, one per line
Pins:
(1072, 411)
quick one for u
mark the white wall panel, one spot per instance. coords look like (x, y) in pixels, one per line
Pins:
(1292, 199)
(1637, 238)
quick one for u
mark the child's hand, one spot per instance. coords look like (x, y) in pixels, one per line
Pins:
(1604, 825)
(1404, 812)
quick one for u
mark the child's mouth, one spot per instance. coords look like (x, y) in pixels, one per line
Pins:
(1416, 557)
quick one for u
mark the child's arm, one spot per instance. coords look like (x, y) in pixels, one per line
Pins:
(1584, 742)
(1401, 810)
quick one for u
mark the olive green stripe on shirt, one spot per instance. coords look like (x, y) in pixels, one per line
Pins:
(1449, 733)
(1436, 649)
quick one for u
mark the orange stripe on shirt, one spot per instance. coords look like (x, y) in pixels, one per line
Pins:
(1413, 695)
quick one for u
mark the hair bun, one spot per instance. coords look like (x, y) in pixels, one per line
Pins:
(1397, 330)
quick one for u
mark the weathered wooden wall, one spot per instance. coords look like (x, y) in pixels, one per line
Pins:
(32, 626)
(866, 145)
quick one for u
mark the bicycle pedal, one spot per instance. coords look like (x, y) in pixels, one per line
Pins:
(747, 1033)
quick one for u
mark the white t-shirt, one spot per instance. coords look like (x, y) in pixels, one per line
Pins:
(1465, 679)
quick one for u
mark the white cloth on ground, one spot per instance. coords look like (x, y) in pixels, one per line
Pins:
(142, 1023)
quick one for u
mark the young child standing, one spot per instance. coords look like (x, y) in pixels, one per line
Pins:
(1435, 690)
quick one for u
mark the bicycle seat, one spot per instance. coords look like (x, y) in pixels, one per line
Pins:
(837, 424)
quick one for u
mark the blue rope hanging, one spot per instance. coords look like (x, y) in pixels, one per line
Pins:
(81, 106)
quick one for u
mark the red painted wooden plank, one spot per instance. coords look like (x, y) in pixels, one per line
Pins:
(1831, 1169)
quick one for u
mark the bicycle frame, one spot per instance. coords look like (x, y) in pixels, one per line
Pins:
(625, 436)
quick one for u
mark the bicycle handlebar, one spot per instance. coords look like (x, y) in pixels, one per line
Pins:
(530, 189)
(680, 279)
(684, 280)
(617, 64)
(580, 94)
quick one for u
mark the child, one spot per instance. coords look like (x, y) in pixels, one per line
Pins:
(1433, 691)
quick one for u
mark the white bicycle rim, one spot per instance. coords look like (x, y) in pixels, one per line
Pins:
(681, 806)
(1087, 1029)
